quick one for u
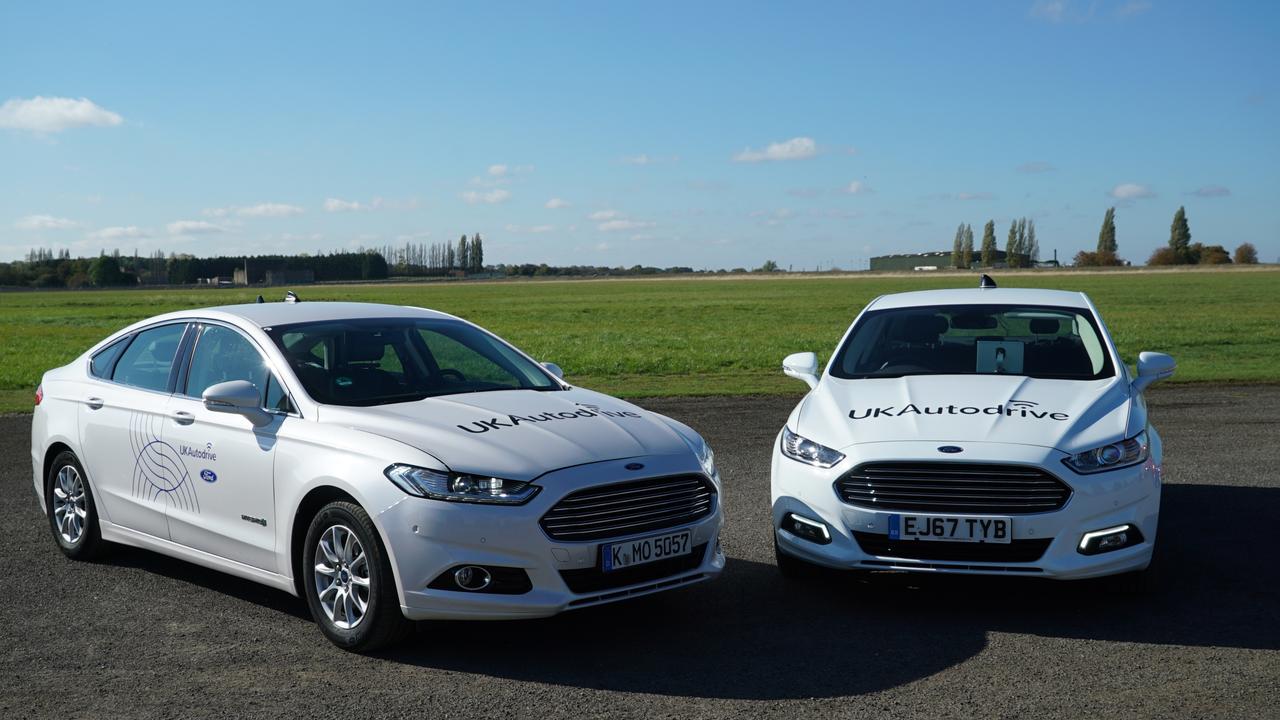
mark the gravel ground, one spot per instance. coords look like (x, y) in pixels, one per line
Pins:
(140, 635)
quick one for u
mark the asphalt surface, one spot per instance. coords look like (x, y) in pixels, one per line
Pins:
(140, 635)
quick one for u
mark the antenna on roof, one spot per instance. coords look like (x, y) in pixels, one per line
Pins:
(291, 297)
(260, 300)
(986, 283)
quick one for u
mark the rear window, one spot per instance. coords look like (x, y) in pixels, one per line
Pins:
(1034, 341)
(105, 359)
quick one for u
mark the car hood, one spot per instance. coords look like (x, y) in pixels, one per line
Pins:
(1069, 415)
(517, 434)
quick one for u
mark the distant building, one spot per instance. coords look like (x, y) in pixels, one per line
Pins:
(289, 277)
(928, 261)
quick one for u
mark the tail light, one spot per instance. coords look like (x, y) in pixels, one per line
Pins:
(39, 393)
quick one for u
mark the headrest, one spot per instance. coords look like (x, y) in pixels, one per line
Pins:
(365, 347)
(1046, 326)
(922, 328)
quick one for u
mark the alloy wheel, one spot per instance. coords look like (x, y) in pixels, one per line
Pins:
(342, 577)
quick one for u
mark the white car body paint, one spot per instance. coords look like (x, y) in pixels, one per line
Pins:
(170, 475)
(1011, 420)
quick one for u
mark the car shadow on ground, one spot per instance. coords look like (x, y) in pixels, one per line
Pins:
(753, 635)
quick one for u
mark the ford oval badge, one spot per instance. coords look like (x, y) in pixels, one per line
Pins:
(950, 449)
(635, 466)
(208, 476)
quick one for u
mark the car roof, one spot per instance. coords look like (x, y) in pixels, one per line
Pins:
(270, 314)
(982, 296)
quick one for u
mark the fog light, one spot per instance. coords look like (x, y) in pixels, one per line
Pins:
(811, 530)
(1114, 538)
(471, 577)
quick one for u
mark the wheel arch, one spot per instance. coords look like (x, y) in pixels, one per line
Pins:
(56, 448)
(316, 498)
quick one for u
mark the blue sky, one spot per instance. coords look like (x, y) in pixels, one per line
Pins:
(701, 134)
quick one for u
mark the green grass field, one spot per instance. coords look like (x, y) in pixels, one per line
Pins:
(694, 336)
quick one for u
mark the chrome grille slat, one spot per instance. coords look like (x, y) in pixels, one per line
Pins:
(953, 487)
(629, 508)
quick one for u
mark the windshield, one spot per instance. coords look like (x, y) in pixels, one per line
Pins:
(1036, 341)
(376, 362)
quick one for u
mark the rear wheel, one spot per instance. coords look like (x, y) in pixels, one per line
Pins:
(348, 581)
(73, 515)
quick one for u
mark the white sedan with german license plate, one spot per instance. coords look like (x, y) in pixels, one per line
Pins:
(984, 431)
(385, 463)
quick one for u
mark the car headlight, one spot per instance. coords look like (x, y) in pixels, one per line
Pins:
(460, 487)
(1112, 456)
(706, 458)
(807, 451)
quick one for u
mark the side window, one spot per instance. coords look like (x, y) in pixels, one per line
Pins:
(101, 364)
(276, 397)
(222, 354)
(148, 359)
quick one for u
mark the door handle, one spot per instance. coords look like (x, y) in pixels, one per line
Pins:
(94, 403)
(183, 418)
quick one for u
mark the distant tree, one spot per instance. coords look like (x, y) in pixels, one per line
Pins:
(1246, 254)
(768, 266)
(1107, 236)
(1163, 256)
(477, 254)
(957, 248)
(966, 248)
(464, 261)
(1180, 237)
(105, 271)
(1012, 250)
(1208, 254)
(989, 244)
(1032, 246)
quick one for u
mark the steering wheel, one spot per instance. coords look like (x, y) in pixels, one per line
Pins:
(903, 363)
(451, 373)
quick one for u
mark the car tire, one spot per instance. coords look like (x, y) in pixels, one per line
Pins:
(791, 567)
(71, 509)
(347, 577)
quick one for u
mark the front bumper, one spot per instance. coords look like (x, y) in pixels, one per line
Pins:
(426, 538)
(1128, 496)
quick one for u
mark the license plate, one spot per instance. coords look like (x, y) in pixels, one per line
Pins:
(629, 553)
(951, 528)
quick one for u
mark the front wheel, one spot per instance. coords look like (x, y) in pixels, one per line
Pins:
(73, 514)
(348, 581)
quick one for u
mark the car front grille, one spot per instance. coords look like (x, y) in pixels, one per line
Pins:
(593, 579)
(628, 508)
(953, 487)
(1011, 552)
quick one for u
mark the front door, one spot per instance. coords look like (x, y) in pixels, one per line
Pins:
(229, 460)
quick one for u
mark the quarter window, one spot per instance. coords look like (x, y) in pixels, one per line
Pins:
(101, 364)
(147, 361)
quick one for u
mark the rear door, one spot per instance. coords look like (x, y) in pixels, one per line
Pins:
(227, 458)
(135, 471)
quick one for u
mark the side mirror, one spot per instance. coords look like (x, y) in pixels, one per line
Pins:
(239, 397)
(802, 366)
(1152, 366)
(554, 369)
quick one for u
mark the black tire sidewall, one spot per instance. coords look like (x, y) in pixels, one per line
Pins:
(383, 599)
(83, 548)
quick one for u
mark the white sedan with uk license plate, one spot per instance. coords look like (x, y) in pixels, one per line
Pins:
(385, 463)
(982, 431)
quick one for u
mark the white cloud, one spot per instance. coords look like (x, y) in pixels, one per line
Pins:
(644, 159)
(493, 197)
(132, 232)
(1131, 191)
(259, 210)
(498, 170)
(857, 187)
(603, 215)
(54, 114)
(193, 227)
(45, 222)
(1133, 7)
(1051, 10)
(981, 195)
(614, 225)
(340, 205)
(1212, 191)
(797, 148)
(556, 204)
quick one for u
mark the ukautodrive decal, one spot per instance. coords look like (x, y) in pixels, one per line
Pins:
(510, 421)
(1013, 409)
(158, 471)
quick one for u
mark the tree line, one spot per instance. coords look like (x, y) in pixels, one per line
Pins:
(1022, 249)
(1179, 251)
(443, 258)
